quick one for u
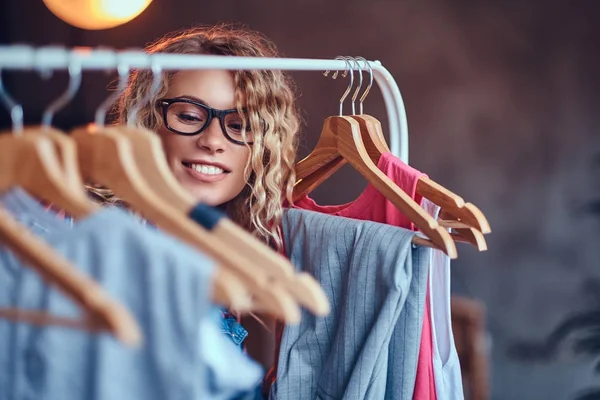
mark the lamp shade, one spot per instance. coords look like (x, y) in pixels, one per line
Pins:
(96, 14)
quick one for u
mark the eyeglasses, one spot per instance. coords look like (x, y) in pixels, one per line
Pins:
(189, 118)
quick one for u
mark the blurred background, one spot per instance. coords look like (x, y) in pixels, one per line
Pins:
(502, 101)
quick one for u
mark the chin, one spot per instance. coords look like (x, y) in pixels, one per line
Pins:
(210, 199)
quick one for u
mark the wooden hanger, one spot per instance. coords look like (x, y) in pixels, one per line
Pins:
(375, 144)
(341, 138)
(149, 156)
(470, 218)
(455, 205)
(30, 162)
(106, 158)
(465, 234)
(101, 313)
(66, 154)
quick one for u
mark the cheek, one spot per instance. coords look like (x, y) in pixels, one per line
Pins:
(241, 154)
(174, 146)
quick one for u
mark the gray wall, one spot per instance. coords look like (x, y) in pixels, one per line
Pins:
(501, 100)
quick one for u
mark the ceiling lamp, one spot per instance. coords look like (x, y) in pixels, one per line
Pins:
(97, 14)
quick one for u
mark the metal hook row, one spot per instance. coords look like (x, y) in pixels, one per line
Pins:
(75, 77)
(350, 69)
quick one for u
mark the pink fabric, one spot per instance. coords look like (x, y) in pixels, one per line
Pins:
(373, 206)
(425, 382)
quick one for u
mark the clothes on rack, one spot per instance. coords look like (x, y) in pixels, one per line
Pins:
(377, 294)
(388, 336)
(164, 283)
(207, 217)
(371, 205)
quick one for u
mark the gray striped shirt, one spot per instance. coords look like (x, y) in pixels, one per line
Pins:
(375, 279)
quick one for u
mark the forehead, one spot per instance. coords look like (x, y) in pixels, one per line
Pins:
(215, 87)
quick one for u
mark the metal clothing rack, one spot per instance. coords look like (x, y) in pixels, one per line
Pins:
(21, 57)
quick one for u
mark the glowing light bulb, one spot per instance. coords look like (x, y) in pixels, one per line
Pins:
(97, 14)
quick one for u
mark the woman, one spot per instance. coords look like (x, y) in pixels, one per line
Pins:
(230, 137)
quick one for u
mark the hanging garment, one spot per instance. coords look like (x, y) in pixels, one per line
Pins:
(371, 205)
(207, 217)
(353, 352)
(165, 284)
(446, 365)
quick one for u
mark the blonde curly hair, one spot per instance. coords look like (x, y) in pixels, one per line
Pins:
(269, 100)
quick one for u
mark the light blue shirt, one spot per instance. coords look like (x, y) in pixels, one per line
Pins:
(163, 283)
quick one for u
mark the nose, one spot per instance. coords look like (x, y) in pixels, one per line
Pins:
(212, 139)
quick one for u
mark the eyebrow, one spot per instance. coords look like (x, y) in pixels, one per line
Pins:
(193, 98)
(197, 100)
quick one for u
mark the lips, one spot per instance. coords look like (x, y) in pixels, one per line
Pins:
(203, 165)
(205, 171)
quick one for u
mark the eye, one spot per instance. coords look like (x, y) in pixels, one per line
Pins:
(235, 124)
(189, 118)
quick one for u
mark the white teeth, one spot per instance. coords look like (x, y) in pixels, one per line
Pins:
(207, 169)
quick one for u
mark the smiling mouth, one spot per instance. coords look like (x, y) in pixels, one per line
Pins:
(205, 169)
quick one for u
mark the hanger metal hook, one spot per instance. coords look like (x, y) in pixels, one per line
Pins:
(123, 70)
(14, 108)
(368, 89)
(335, 74)
(344, 74)
(154, 88)
(349, 85)
(360, 82)
(75, 76)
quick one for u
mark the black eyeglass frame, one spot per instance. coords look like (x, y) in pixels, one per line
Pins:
(212, 112)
